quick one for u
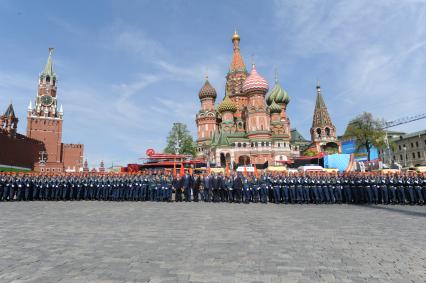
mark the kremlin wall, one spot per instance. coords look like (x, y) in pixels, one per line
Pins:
(41, 149)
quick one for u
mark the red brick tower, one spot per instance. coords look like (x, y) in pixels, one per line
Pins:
(206, 118)
(234, 82)
(9, 122)
(323, 131)
(44, 121)
(258, 119)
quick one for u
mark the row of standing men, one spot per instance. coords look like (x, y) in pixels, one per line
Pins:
(275, 188)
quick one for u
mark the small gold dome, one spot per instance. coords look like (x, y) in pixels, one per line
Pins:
(236, 36)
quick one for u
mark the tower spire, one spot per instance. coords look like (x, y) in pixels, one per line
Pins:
(48, 68)
(321, 115)
(237, 63)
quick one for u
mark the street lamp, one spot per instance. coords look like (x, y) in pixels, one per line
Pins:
(405, 156)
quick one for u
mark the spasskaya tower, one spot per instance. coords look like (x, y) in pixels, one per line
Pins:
(44, 123)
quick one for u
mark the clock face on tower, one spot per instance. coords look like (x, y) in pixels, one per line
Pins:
(46, 100)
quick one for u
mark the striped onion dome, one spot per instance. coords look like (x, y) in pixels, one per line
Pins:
(278, 94)
(274, 107)
(207, 91)
(255, 82)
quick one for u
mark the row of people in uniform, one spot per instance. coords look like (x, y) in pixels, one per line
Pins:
(276, 188)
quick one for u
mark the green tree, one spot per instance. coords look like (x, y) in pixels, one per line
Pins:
(366, 131)
(180, 140)
(310, 152)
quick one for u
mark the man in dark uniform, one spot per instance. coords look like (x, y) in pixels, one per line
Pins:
(177, 184)
(237, 187)
(417, 182)
(196, 187)
(187, 185)
(207, 184)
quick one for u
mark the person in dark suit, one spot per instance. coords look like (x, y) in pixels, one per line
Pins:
(187, 181)
(196, 187)
(177, 185)
(237, 187)
(207, 184)
(216, 185)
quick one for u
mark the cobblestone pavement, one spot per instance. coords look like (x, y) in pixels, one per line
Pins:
(200, 242)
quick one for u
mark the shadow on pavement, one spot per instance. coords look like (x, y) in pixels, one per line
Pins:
(399, 210)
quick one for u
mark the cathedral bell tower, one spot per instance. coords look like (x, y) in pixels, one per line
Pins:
(44, 120)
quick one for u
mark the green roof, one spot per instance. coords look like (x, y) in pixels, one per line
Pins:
(297, 137)
(48, 69)
(9, 111)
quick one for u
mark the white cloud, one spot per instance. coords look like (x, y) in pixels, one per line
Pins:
(375, 49)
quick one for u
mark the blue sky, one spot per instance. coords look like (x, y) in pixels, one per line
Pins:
(128, 69)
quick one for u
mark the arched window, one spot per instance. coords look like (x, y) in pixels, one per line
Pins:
(327, 131)
(244, 144)
(262, 144)
(239, 144)
(318, 132)
(47, 79)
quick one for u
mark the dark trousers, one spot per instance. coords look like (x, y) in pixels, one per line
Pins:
(196, 192)
(178, 195)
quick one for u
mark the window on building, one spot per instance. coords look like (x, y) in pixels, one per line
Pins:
(414, 155)
(327, 131)
(279, 144)
(399, 146)
(262, 144)
(239, 144)
(412, 145)
(400, 157)
(244, 144)
(47, 79)
(318, 132)
(417, 144)
(418, 154)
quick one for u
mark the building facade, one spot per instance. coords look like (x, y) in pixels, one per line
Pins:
(408, 149)
(248, 126)
(44, 123)
(16, 151)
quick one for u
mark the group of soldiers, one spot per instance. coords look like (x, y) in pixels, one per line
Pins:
(317, 188)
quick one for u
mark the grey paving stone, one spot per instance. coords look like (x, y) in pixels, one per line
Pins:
(188, 242)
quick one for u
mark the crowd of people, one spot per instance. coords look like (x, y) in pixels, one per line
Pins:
(266, 187)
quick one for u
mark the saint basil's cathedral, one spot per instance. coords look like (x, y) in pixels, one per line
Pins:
(250, 126)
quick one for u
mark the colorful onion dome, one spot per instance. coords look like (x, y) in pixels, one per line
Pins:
(255, 82)
(207, 91)
(278, 94)
(227, 105)
(274, 107)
